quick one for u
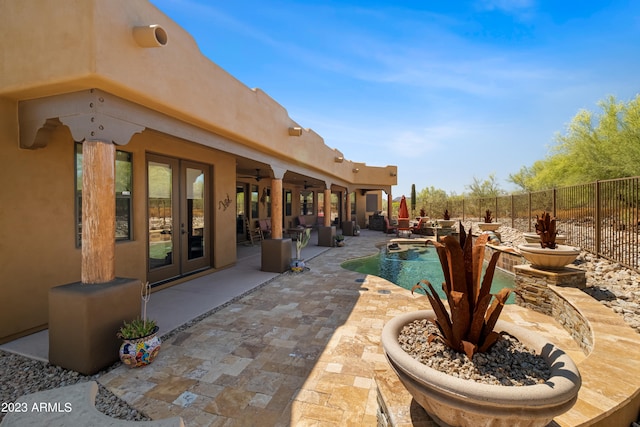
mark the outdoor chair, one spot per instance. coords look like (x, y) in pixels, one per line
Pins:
(302, 221)
(265, 227)
(404, 225)
(419, 227)
(388, 229)
(253, 232)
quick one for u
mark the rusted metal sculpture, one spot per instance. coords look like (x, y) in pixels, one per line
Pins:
(469, 327)
(546, 229)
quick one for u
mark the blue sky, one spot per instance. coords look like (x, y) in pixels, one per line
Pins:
(446, 90)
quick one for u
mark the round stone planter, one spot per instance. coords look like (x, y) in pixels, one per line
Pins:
(534, 238)
(489, 226)
(136, 352)
(452, 401)
(545, 258)
(446, 223)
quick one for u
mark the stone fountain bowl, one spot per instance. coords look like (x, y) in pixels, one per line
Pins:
(489, 226)
(445, 223)
(534, 238)
(453, 401)
(546, 258)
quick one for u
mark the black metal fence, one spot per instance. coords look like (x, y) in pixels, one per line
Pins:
(602, 217)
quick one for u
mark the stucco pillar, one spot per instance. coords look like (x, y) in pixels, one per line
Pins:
(276, 251)
(276, 208)
(327, 207)
(348, 225)
(85, 316)
(98, 212)
(347, 198)
(389, 206)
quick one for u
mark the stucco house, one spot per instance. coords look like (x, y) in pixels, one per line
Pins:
(127, 153)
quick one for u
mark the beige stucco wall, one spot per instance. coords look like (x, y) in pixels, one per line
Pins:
(37, 227)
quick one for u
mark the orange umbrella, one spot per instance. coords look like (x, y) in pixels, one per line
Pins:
(403, 212)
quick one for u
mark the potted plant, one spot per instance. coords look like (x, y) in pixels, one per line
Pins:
(446, 220)
(469, 329)
(547, 254)
(488, 224)
(298, 264)
(140, 343)
(339, 238)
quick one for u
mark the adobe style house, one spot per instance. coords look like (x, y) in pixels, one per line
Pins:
(128, 154)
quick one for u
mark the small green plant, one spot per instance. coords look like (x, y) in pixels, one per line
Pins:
(142, 327)
(339, 237)
(446, 216)
(546, 229)
(137, 328)
(488, 219)
(469, 328)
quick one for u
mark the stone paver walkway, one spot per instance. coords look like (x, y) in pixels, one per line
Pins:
(298, 351)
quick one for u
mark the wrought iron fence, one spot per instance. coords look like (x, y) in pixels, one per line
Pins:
(602, 217)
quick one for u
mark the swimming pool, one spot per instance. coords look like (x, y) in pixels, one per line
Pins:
(410, 263)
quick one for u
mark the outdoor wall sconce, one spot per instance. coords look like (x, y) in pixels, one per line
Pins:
(150, 36)
(295, 131)
(339, 159)
(356, 170)
(393, 174)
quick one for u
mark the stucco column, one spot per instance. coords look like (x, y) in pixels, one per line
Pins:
(389, 206)
(276, 208)
(347, 198)
(98, 212)
(327, 207)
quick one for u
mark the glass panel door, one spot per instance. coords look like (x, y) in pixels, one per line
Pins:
(162, 209)
(178, 217)
(194, 217)
(241, 212)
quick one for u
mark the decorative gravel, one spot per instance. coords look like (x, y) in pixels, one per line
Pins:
(20, 375)
(508, 362)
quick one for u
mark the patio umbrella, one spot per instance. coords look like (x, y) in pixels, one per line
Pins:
(403, 211)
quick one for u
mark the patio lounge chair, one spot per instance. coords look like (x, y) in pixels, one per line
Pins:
(419, 227)
(404, 225)
(389, 229)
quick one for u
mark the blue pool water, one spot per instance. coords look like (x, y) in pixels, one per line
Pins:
(412, 263)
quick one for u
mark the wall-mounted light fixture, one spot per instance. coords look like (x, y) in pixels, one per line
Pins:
(295, 131)
(150, 36)
(339, 159)
(355, 170)
(393, 174)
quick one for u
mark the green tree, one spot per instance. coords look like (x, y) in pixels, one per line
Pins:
(413, 200)
(595, 146)
(433, 201)
(486, 188)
